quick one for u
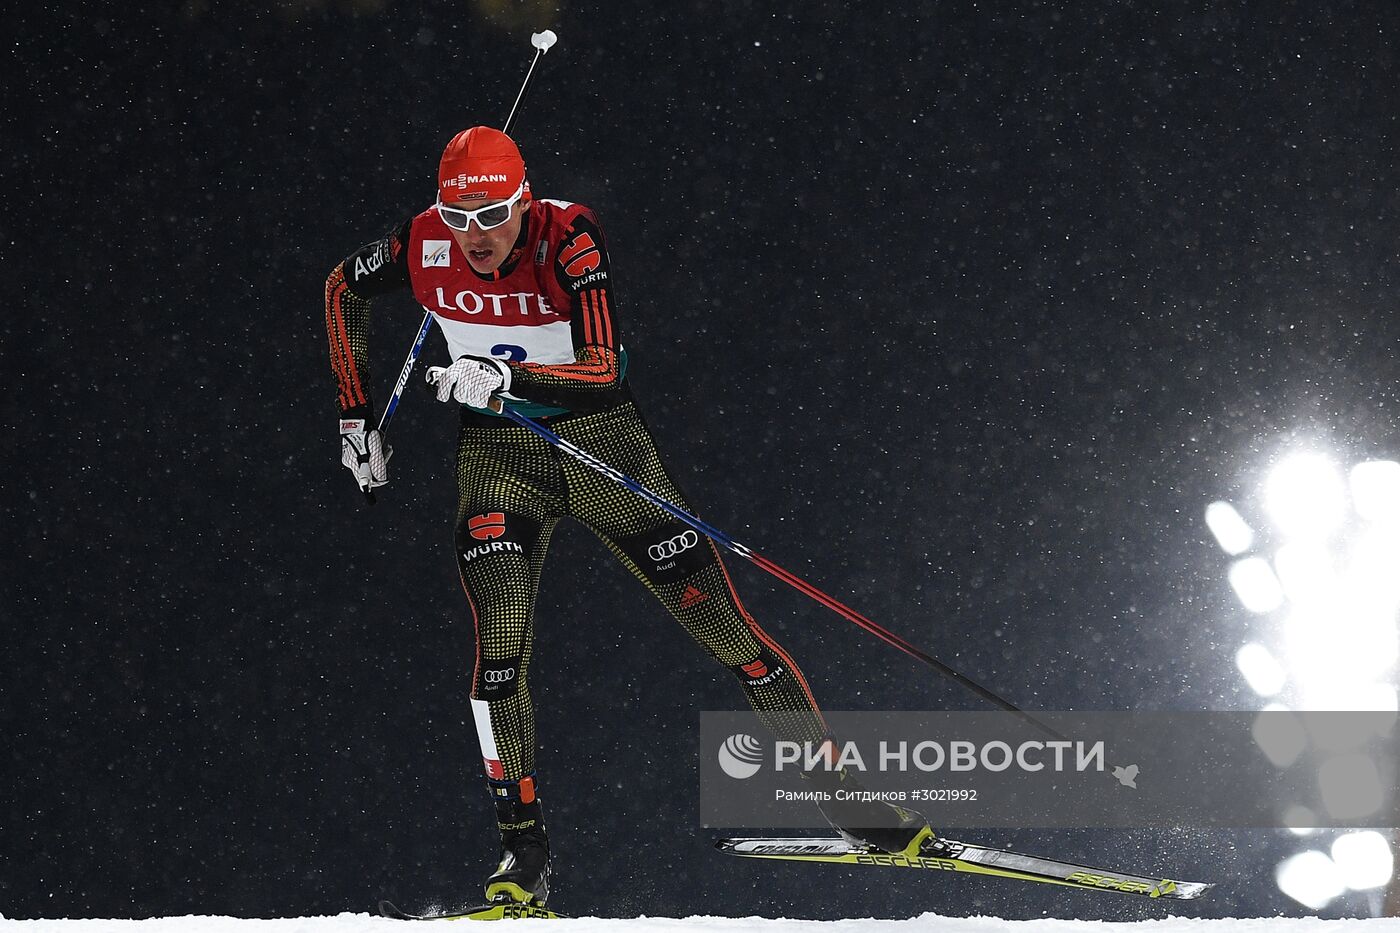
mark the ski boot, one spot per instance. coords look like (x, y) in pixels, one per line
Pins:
(865, 822)
(522, 877)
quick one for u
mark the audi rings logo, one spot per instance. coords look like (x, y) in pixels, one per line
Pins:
(499, 677)
(741, 756)
(673, 546)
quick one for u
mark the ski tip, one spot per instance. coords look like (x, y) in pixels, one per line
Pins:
(1190, 890)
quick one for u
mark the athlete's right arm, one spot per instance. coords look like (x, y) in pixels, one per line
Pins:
(374, 269)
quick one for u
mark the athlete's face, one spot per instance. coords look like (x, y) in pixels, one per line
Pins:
(487, 249)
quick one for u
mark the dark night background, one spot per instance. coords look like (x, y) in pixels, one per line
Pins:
(961, 311)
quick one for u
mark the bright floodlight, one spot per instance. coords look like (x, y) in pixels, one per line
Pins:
(1364, 860)
(1310, 878)
(1318, 659)
(1306, 570)
(1371, 576)
(1375, 490)
(1350, 786)
(1259, 667)
(1337, 648)
(1254, 583)
(1306, 496)
(1326, 694)
(1231, 531)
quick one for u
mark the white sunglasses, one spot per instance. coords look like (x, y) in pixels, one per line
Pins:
(487, 218)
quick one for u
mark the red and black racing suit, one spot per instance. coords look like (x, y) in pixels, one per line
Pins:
(551, 312)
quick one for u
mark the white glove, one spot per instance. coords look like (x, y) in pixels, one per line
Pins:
(364, 453)
(472, 380)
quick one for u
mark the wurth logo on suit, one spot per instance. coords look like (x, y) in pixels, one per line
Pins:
(579, 256)
(495, 547)
(488, 527)
(579, 260)
(758, 673)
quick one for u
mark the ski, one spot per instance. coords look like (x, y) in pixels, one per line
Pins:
(950, 855)
(501, 910)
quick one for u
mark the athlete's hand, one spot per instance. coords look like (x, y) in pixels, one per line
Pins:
(472, 380)
(364, 453)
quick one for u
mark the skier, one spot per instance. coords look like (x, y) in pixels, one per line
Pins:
(523, 292)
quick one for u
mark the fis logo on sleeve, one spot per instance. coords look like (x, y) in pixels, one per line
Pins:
(437, 253)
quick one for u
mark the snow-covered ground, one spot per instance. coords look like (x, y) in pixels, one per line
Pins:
(353, 923)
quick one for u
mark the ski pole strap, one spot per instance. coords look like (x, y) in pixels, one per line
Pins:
(791, 579)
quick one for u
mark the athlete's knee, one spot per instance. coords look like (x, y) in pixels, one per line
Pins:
(498, 679)
(766, 668)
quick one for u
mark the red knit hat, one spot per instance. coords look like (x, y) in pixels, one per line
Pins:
(480, 164)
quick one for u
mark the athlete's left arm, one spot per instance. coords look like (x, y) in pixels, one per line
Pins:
(593, 381)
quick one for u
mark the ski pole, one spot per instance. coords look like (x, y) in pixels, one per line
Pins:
(542, 41)
(791, 579)
(404, 373)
